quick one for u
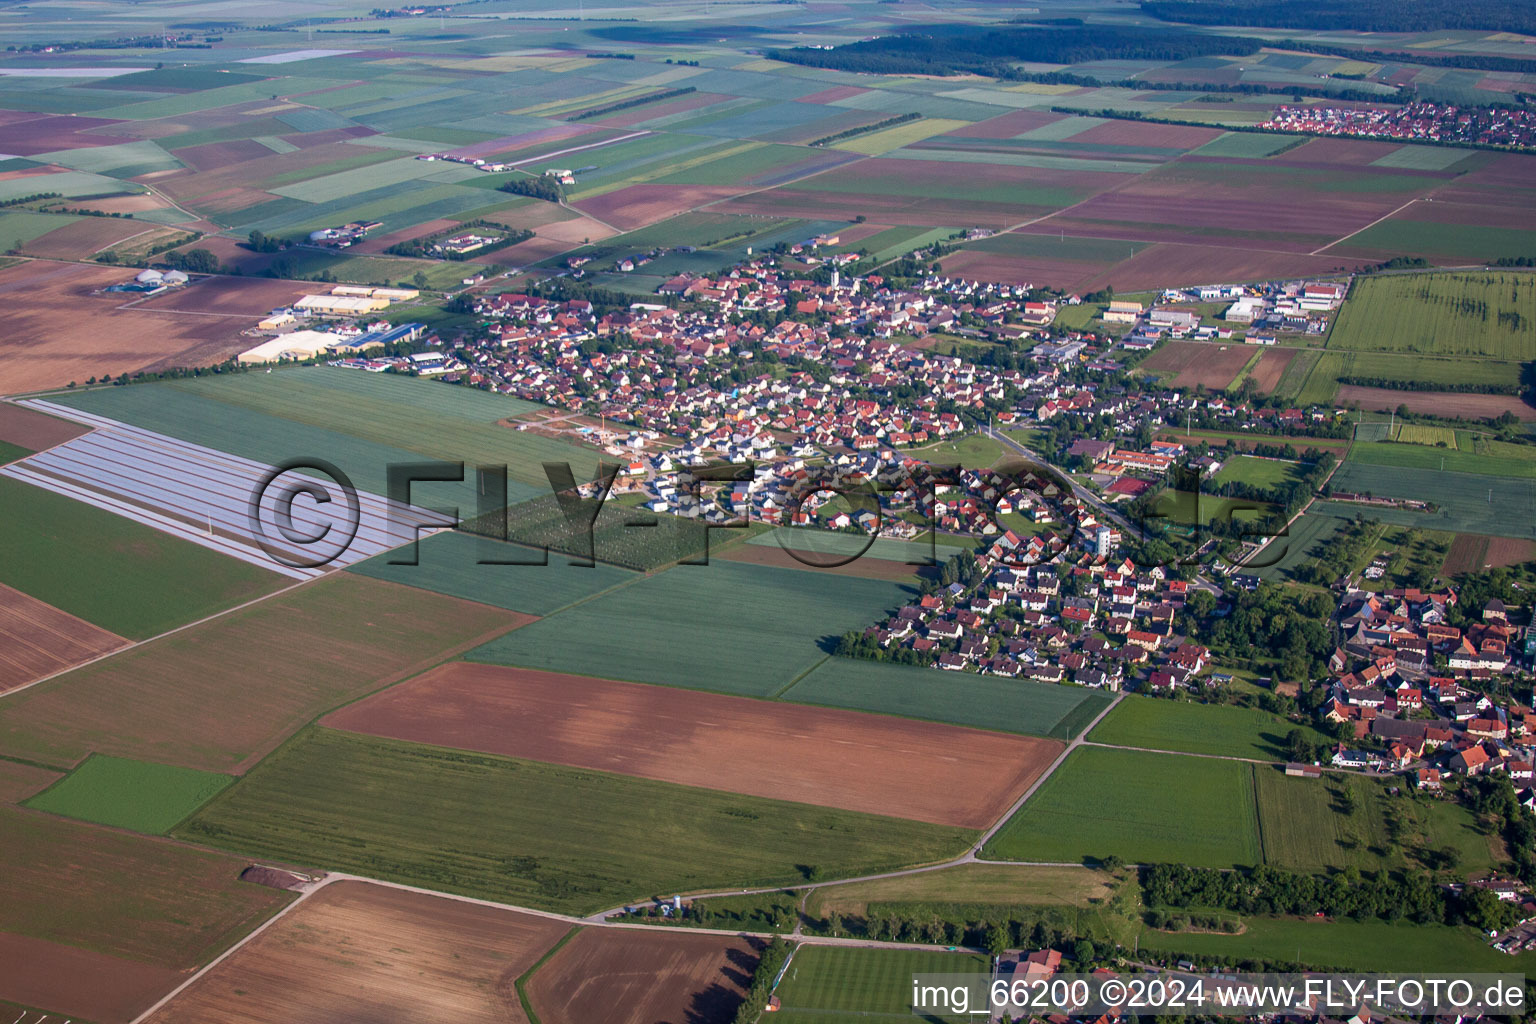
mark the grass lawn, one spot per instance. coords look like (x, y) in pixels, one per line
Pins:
(135, 795)
(1024, 885)
(1224, 729)
(1144, 808)
(1338, 821)
(121, 575)
(1250, 469)
(537, 834)
(728, 626)
(868, 983)
(960, 698)
(973, 451)
(1354, 945)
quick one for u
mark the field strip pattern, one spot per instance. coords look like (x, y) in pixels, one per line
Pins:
(202, 495)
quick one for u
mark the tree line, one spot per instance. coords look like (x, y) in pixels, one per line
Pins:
(638, 101)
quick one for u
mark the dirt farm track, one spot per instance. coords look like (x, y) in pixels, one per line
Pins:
(360, 952)
(845, 759)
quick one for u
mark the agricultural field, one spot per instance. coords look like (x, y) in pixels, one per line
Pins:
(183, 700)
(1188, 364)
(1497, 506)
(354, 949)
(135, 795)
(125, 896)
(870, 763)
(639, 977)
(960, 698)
(63, 329)
(117, 574)
(1297, 548)
(824, 980)
(1485, 458)
(1142, 807)
(992, 884)
(496, 573)
(1471, 553)
(1344, 820)
(1191, 728)
(1485, 315)
(37, 640)
(734, 628)
(501, 828)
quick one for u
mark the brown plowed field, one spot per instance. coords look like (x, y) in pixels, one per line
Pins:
(232, 296)
(1337, 152)
(1271, 365)
(1171, 264)
(82, 239)
(213, 155)
(837, 92)
(1137, 133)
(184, 700)
(37, 639)
(845, 759)
(1005, 126)
(1471, 552)
(45, 133)
(371, 954)
(1037, 270)
(59, 329)
(639, 205)
(1199, 362)
(19, 781)
(643, 976)
(149, 900)
(78, 982)
(886, 209)
(35, 431)
(1435, 403)
(863, 566)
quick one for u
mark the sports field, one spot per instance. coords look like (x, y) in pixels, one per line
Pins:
(187, 700)
(1256, 472)
(134, 795)
(1144, 808)
(869, 984)
(507, 830)
(359, 951)
(961, 698)
(727, 626)
(123, 576)
(1489, 314)
(1157, 724)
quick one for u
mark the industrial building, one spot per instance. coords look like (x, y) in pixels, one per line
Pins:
(341, 305)
(297, 345)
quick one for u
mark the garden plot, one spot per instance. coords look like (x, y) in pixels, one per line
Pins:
(205, 496)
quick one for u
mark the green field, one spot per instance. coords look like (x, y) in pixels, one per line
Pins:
(10, 452)
(959, 698)
(536, 834)
(119, 574)
(1354, 945)
(1491, 314)
(973, 451)
(1323, 382)
(1157, 724)
(362, 422)
(1511, 461)
(1341, 821)
(451, 563)
(867, 984)
(728, 626)
(1142, 807)
(1498, 506)
(1421, 368)
(1257, 472)
(1297, 548)
(135, 795)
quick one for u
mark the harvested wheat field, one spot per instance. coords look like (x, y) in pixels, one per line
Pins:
(61, 327)
(845, 759)
(35, 972)
(37, 639)
(35, 431)
(643, 976)
(1272, 364)
(355, 951)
